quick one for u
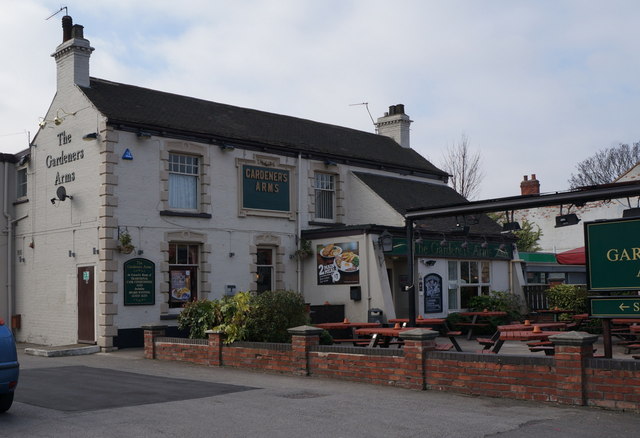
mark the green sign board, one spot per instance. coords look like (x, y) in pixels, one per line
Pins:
(612, 250)
(454, 249)
(265, 188)
(615, 307)
(139, 282)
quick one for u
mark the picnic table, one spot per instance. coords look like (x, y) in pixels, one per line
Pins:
(541, 325)
(522, 335)
(382, 336)
(556, 312)
(478, 319)
(344, 331)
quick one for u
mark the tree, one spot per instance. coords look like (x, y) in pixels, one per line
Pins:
(605, 165)
(528, 238)
(464, 166)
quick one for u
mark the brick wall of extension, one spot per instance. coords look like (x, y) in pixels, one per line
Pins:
(571, 377)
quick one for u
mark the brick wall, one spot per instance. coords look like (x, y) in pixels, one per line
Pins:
(571, 377)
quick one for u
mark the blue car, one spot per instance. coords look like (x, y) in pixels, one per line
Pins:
(9, 367)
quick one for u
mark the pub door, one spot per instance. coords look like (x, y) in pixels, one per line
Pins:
(86, 305)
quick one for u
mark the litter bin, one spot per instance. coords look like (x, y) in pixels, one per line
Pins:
(375, 315)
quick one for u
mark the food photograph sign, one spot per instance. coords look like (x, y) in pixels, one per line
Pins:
(338, 263)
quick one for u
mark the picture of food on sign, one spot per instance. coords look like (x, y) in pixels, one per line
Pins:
(348, 261)
(330, 251)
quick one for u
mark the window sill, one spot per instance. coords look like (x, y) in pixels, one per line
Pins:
(324, 224)
(168, 316)
(185, 214)
(21, 201)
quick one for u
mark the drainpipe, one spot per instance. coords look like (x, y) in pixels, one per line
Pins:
(9, 243)
(299, 226)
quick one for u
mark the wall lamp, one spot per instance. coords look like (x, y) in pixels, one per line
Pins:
(329, 162)
(567, 219)
(464, 244)
(226, 147)
(631, 212)
(428, 262)
(508, 227)
(386, 241)
(443, 242)
(91, 136)
(144, 135)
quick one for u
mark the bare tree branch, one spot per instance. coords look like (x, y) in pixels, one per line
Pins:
(605, 166)
(464, 167)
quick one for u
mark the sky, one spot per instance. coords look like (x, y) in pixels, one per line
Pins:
(536, 86)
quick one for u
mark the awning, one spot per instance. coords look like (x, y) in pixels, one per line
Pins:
(572, 257)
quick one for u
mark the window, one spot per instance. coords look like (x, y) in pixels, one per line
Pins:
(183, 270)
(21, 183)
(183, 181)
(325, 192)
(264, 274)
(467, 279)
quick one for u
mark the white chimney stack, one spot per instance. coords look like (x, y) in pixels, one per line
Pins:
(395, 124)
(72, 56)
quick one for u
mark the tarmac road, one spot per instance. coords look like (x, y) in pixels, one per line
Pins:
(121, 394)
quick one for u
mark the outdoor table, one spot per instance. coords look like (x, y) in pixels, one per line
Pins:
(442, 322)
(556, 312)
(475, 316)
(542, 325)
(398, 321)
(382, 335)
(339, 328)
(522, 335)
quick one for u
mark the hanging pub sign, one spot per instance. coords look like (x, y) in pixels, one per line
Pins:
(139, 282)
(432, 293)
(612, 253)
(338, 263)
(265, 188)
(454, 249)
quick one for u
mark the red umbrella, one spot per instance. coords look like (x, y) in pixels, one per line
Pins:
(572, 257)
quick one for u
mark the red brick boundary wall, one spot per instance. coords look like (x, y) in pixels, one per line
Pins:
(571, 377)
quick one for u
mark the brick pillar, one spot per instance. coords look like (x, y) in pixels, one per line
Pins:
(571, 350)
(151, 332)
(302, 339)
(416, 344)
(215, 348)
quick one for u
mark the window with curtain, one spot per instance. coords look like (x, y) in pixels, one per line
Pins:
(183, 273)
(265, 265)
(183, 181)
(325, 195)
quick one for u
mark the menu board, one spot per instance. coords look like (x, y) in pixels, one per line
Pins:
(432, 293)
(338, 263)
(139, 282)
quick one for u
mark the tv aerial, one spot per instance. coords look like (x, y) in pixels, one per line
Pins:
(366, 105)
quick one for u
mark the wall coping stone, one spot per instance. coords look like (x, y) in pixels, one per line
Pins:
(152, 326)
(419, 334)
(574, 338)
(305, 330)
(213, 332)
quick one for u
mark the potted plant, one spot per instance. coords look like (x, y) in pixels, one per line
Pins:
(125, 245)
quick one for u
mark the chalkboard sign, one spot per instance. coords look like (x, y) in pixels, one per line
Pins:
(432, 293)
(139, 282)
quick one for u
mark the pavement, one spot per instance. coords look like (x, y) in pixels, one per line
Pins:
(120, 393)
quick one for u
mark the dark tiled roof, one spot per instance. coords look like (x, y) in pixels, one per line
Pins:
(403, 194)
(151, 109)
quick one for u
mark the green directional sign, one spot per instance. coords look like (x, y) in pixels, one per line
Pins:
(615, 307)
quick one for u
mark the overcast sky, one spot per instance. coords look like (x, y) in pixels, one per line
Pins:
(535, 85)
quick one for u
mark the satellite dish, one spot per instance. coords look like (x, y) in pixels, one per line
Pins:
(61, 193)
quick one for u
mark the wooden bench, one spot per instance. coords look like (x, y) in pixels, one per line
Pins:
(444, 347)
(486, 342)
(629, 347)
(473, 324)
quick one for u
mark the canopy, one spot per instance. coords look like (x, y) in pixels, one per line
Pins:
(572, 257)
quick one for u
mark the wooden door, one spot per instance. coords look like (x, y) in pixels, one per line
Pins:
(86, 305)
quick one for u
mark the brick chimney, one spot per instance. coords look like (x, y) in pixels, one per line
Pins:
(72, 56)
(395, 124)
(530, 186)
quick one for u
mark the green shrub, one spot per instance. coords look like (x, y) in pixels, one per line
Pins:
(498, 301)
(570, 297)
(233, 314)
(273, 313)
(198, 317)
(326, 338)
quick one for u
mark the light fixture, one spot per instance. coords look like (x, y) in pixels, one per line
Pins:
(226, 147)
(460, 230)
(485, 244)
(418, 237)
(567, 219)
(91, 136)
(329, 162)
(428, 262)
(631, 212)
(443, 242)
(386, 241)
(508, 227)
(24, 159)
(144, 135)
(464, 244)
